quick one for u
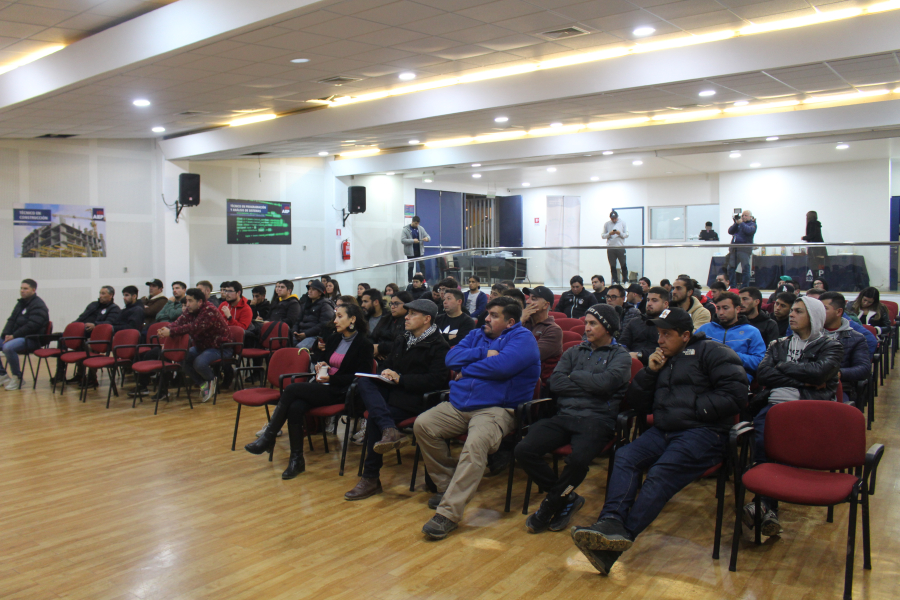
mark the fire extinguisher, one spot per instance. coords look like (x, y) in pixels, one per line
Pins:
(345, 250)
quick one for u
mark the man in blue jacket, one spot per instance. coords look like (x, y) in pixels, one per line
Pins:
(742, 232)
(857, 362)
(735, 331)
(497, 368)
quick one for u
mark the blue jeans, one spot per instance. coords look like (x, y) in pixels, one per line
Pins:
(11, 349)
(307, 342)
(196, 363)
(381, 416)
(674, 459)
(741, 257)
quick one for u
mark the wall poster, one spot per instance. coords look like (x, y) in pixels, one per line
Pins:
(58, 230)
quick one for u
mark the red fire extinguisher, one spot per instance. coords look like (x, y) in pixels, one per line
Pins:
(345, 250)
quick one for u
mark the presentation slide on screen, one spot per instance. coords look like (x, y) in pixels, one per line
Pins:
(58, 231)
(259, 222)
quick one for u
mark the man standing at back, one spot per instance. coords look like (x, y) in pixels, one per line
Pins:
(413, 238)
(29, 317)
(497, 369)
(614, 232)
(743, 230)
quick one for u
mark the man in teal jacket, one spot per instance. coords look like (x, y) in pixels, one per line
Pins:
(736, 332)
(497, 368)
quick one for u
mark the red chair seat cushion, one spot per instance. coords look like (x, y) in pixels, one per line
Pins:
(256, 396)
(326, 411)
(72, 357)
(47, 352)
(799, 486)
(254, 353)
(563, 450)
(406, 423)
(712, 470)
(99, 362)
(150, 366)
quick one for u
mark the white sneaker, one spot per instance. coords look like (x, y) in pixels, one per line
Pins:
(4, 379)
(360, 435)
(210, 391)
(14, 385)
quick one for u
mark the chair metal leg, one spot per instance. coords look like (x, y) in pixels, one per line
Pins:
(415, 469)
(237, 420)
(112, 386)
(325, 438)
(738, 525)
(851, 546)
(527, 496)
(720, 511)
(867, 554)
(362, 456)
(162, 375)
(345, 444)
(757, 520)
(830, 515)
(509, 484)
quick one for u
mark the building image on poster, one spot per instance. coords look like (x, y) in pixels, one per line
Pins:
(259, 222)
(58, 231)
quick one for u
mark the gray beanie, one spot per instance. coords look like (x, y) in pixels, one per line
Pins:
(607, 316)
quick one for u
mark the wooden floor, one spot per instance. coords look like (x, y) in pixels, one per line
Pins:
(119, 504)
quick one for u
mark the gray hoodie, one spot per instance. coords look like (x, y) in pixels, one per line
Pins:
(816, 311)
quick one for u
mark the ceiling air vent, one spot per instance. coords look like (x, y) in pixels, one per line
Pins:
(559, 34)
(340, 80)
(256, 153)
(57, 136)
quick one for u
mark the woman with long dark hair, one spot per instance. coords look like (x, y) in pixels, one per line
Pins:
(346, 352)
(332, 290)
(360, 290)
(869, 310)
(390, 290)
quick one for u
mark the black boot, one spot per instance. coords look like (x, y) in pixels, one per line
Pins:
(296, 464)
(266, 442)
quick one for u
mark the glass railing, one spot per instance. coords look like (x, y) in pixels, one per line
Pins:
(846, 267)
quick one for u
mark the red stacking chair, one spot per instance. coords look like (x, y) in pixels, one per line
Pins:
(174, 350)
(567, 345)
(98, 344)
(579, 329)
(567, 324)
(236, 344)
(71, 341)
(152, 337)
(571, 336)
(285, 363)
(275, 335)
(124, 348)
(44, 340)
(892, 308)
(558, 315)
(807, 441)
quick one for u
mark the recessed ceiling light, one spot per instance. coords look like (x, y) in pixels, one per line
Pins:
(476, 175)
(428, 181)
(555, 124)
(390, 173)
(607, 152)
(754, 165)
(771, 138)
(323, 153)
(551, 169)
(407, 76)
(299, 60)
(741, 103)
(644, 31)
(842, 146)
(525, 184)
(158, 129)
(706, 93)
(595, 178)
(413, 142)
(476, 164)
(141, 102)
(734, 155)
(501, 119)
(637, 163)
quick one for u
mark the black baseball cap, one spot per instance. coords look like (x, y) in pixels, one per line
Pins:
(155, 283)
(635, 288)
(542, 292)
(613, 214)
(673, 318)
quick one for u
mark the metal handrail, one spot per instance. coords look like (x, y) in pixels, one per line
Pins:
(523, 248)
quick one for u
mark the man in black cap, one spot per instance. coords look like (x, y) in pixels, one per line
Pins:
(415, 367)
(589, 382)
(315, 316)
(693, 401)
(577, 300)
(642, 341)
(634, 297)
(153, 302)
(615, 232)
(537, 319)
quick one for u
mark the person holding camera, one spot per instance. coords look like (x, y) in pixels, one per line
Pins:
(615, 232)
(742, 232)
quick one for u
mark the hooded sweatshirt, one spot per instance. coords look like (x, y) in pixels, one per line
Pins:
(816, 312)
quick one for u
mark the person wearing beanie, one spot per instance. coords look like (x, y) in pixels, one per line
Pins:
(804, 366)
(693, 387)
(589, 381)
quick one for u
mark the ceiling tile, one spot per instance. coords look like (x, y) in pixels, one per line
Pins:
(442, 24)
(259, 35)
(58, 35)
(390, 37)
(308, 20)
(595, 10)
(399, 13)
(451, 5)
(511, 42)
(255, 53)
(461, 52)
(298, 40)
(23, 13)
(504, 9)
(771, 7)
(382, 55)
(427, 45)
(685, 8)
(482, 33)
(84, 21)
(417, 62)
(535, 23)
(629, 20)
(352, 7)
(18, 30)
(809, 78)
(345, 27)
(724, 19)
(218, 47)
(345, 48)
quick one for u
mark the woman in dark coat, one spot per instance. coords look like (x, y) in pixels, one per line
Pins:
(814, 235)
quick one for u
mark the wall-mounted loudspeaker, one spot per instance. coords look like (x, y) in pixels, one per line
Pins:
(356, 199)
(189, 189)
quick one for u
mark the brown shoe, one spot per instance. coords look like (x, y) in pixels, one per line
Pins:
(366, 488)
(391, 439)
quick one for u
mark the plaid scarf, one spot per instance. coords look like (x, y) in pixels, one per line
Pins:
(412, 341)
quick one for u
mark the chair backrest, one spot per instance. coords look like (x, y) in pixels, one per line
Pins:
(121, 341)
(567, 323)
(237, 337)
(102, 333)
(557, 315)
(770, 308)
(571, 336)
(636, 366)
(152, 335)
(49, 328)
(816, 434)
(892, 308)
(73, 330)
(272, 331)
(579, 329)
(287, 360)
(567, 345)
(178, 343)
(871, 330)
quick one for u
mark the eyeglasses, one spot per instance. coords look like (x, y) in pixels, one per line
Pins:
(613, 296)
(396, 304)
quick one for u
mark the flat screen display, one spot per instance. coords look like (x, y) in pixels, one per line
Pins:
(259, 222)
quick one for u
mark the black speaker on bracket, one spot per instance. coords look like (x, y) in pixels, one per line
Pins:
(356, 199)
(189, 189)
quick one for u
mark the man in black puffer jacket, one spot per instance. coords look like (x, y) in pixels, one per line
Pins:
(804, 366)
(694, 387)
(29, 317)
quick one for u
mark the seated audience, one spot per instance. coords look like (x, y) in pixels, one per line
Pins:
(665, 283)
(639, 339)
(132, 314)
(437, 298)
(391, 289)
(234, 306)
(782, 311)
(453, 323)
(29, 316)
(287, 307)
(751, 298)
(516, 295)
(415, 367)
(683, 298)
(536, 318)
(208, 330)
(259, 304)
(599, 288)
(804, 366)
(391, 327)
(723, 277)
(615, 297)
(821, 284)
(497, 369)
(575, 302)
(474, 299)
(814, 292)
(645, 284)
(342, 300)
(346, 352)
(733, 330)
(360, 290)
(418, 288)
(634, 296)
(207, 288)
(694, 387)
(332, 290)
(709, 234)
(715, 288)
(783, 287)
(153, 303)
(315, 316)
(496, 292)
(589, 383)
(174, 306)
(373, 307)
(870, 311)
(856, 365)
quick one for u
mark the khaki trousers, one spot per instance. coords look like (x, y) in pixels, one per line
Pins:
(458, 479)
